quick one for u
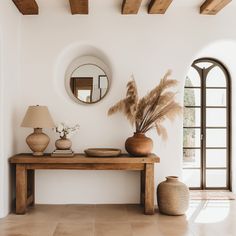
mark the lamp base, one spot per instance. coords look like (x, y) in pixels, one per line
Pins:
(37, 142)
(37, 153)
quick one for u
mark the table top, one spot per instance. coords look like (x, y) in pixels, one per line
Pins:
(28, 158)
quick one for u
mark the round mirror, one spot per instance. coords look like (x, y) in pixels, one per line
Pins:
(87, 80)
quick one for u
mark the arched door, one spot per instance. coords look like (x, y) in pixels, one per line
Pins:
(207, 126)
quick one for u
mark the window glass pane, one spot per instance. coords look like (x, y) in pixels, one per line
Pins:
(192, 97)
(191, 178)
(216, 137)
(216, 94)
(192, 158)
(216, 97)
(192, 117)
(204, 64)
(216, 117)
(191, 137)
(216, 78)
(193, 78)
(216, 158)
(216, 178)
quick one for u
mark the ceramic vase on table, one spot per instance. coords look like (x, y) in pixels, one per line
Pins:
(63, 143)
(139, 145)
(172, 196)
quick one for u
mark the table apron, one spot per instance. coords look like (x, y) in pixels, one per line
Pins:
(87, 166)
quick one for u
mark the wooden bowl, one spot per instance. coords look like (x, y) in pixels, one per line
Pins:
(102, 152)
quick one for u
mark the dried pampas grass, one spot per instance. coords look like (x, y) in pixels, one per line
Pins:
(151, 110)
(127, 106)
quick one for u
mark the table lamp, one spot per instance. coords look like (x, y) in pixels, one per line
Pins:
(37, 117)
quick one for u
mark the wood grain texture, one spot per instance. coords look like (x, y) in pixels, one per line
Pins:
(142, 187)
(158, 6)
(130, 6)
(30, 200)
(81, 158)
(26, 164)
(84, 166)
(30, 185)
(27, 7)
(79, 7)
(149, 189)
(212, 7)
(21, 189)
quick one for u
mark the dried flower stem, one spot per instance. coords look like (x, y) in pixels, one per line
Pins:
(151, 110)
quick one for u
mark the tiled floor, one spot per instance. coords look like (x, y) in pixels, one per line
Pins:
(217, 218)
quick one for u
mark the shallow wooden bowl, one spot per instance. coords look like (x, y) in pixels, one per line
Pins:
(102, 152)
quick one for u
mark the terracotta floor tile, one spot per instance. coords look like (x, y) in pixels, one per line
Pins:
(204, 218)
(145, 229)
(78, 213)
(174, 229)
(45, 213)
(113, 229)
(27, 228)
(135, 214)
(110, 213)
(74, 229)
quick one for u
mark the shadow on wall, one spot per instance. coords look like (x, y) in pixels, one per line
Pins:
(12, 171)
(69, 54)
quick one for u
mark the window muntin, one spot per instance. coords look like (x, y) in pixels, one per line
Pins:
(206, 144)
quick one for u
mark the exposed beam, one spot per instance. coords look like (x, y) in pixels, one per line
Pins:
(130, 6)
(79, 7)
(158, 6)
(212, 7)
(27, 7)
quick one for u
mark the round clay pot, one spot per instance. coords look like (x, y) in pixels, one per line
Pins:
(139, 145)
(37, 141)
(172, 196)
(63, 144)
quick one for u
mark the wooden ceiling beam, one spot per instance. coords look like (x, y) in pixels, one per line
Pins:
(130, 6)
(79, 7)
(27, 7)
(212, 7)
(158, 6)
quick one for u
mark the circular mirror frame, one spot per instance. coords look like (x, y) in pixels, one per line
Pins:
(81, 61)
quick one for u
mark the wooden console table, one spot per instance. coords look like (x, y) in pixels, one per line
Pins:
(26, 164)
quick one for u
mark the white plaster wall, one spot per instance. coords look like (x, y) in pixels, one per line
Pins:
(143, 45)
(9, 40)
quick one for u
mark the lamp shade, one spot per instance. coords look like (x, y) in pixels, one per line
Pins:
(38, 117)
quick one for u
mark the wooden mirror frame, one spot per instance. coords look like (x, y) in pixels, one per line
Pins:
(81, 61)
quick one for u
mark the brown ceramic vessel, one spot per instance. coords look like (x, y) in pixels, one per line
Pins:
(139, 145)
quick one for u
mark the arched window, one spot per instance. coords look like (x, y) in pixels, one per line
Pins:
(207, 126)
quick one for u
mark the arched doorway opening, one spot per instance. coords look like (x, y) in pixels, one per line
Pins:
(207, 126)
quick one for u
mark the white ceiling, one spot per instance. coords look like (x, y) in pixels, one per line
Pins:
(116, 3)
(113, 7)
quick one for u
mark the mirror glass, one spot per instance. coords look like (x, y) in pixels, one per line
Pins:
(89, 83)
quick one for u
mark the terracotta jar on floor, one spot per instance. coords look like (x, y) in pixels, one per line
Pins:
(139, 145)
(172, 196)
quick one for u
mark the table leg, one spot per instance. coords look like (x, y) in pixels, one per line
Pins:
(149, 189)
(142, 187)
(21, 189)
(31, 187)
